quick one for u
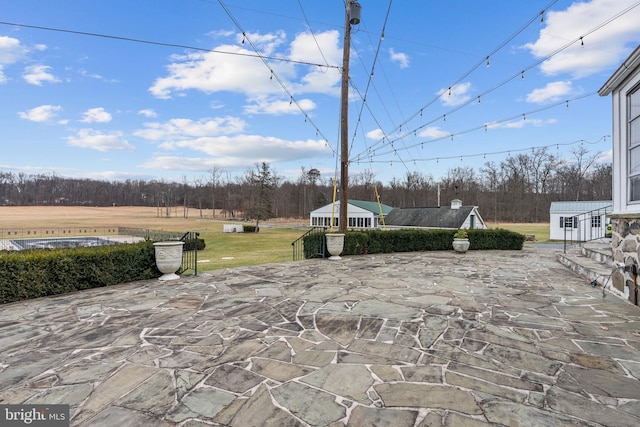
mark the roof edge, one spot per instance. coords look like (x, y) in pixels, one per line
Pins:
(625, 69)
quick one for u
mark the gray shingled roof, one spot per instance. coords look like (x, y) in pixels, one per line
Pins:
(437, 217)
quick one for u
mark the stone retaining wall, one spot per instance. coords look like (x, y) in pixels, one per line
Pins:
(625, 244)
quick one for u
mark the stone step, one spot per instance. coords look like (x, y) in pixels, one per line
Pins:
(593, 264)
(599, 250)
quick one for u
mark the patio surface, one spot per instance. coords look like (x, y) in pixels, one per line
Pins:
(414, 339)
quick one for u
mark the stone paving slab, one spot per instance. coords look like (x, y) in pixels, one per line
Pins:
(417, 339)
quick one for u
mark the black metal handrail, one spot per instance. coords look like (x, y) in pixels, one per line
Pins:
(189, 252)
(584, 231)
(315, 251)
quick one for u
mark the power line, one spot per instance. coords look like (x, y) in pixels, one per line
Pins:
(491, 153)
(263, 58)
(163, 44)
(499, 85)
(484, 127)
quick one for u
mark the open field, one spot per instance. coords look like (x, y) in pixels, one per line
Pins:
(540, 230)
(223, 250)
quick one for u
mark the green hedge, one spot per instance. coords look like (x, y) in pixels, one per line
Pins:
(37, 273)
(379, 241)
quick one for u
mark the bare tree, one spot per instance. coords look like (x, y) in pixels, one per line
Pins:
(574, 172)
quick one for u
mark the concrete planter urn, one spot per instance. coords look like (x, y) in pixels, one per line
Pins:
(168, 259)
(461, 245)
(461, 241)
(335, 245)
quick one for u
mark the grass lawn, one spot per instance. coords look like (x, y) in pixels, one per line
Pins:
(223, 250)
(226, 250)
(540, 230)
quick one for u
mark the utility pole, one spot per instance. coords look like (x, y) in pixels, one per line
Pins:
(352, 16)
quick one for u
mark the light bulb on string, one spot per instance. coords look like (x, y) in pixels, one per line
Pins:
(243, 36)
(581, 42)
(488, 62)
(542, 17)
(445, 118)
(522, 75)
(478, 99)
(567, 103)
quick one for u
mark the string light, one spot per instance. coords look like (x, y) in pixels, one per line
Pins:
(542, 17)
(449, 90)
(581, 41)
(478, 99)
(488, 62)
(522, 75)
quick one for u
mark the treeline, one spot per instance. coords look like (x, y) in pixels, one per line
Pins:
(518, 189)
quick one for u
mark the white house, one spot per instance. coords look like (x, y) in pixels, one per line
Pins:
(579, 221)
(361, 214)
(624, 88)
(445, 217)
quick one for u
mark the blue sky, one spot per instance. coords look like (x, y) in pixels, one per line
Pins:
(447, 84)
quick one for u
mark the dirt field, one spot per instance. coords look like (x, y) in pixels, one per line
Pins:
(124, 216)
(131, 216)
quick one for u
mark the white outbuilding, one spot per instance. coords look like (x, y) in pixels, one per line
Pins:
(361, 214)
(579, 221)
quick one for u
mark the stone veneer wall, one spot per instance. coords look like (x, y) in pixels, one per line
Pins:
(625, 245)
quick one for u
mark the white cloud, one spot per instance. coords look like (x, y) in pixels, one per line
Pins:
(433, 132)
(376, 134)
(400, 58)
(89, 138)
(38, 74)
(180, 129)
(41, 114)
(263, 105)
(520, 123)
(242, 72)
(11, 51)
(245, 150)
(455, 95)
(96, 115)
(149, 113)
(602, 49)
(553, 92)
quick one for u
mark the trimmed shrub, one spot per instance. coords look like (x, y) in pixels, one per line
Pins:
(37, 273)
(410, 240)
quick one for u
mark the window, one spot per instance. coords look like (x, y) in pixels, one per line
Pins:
(568, 221)
(596, 222)
(633, 100)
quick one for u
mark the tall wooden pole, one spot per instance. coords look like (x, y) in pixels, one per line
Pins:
(344, 121)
